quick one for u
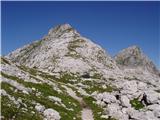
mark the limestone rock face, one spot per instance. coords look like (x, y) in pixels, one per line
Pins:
(125, 101)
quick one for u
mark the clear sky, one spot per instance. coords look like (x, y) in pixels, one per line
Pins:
(113, 25)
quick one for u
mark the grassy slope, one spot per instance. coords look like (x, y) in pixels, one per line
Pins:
(46, 90)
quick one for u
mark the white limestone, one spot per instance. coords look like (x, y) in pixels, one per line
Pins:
(51, 114)
(125, 101)
(39, 108)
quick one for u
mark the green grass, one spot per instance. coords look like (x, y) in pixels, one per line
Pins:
(93, 86)
(95, 108)
(9, 109)
(32, 71)
(67, 77)
(100, 89)
(136, 104)
(65, 114)
(46, 91)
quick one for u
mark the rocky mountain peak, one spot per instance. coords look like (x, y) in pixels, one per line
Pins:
(132, 50)
(131, 57)
(62, 29)
(64, 49)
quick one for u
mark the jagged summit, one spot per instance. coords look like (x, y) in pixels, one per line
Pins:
(134, 48)
(62, 29)
(132, 51)
(133, 57)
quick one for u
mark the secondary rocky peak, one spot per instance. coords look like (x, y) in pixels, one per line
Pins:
(133, 57)
(135, 48)
(132, 50)
(62, 29)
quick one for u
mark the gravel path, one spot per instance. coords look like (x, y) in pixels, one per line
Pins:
(86, 113)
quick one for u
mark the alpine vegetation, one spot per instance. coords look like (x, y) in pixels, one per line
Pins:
(65, 76)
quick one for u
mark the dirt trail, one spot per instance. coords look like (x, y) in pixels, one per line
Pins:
(86, 112)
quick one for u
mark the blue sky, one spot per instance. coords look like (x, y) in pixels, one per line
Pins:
(113, 25)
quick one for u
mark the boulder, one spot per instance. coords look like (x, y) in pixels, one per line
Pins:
(114, 110)
(141, 115)
(152, 96)
(51, 114)
(106, 97)
(125, 101)
(155, 108)
(39, 108)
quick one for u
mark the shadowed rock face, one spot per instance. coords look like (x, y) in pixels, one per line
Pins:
(133, 57)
